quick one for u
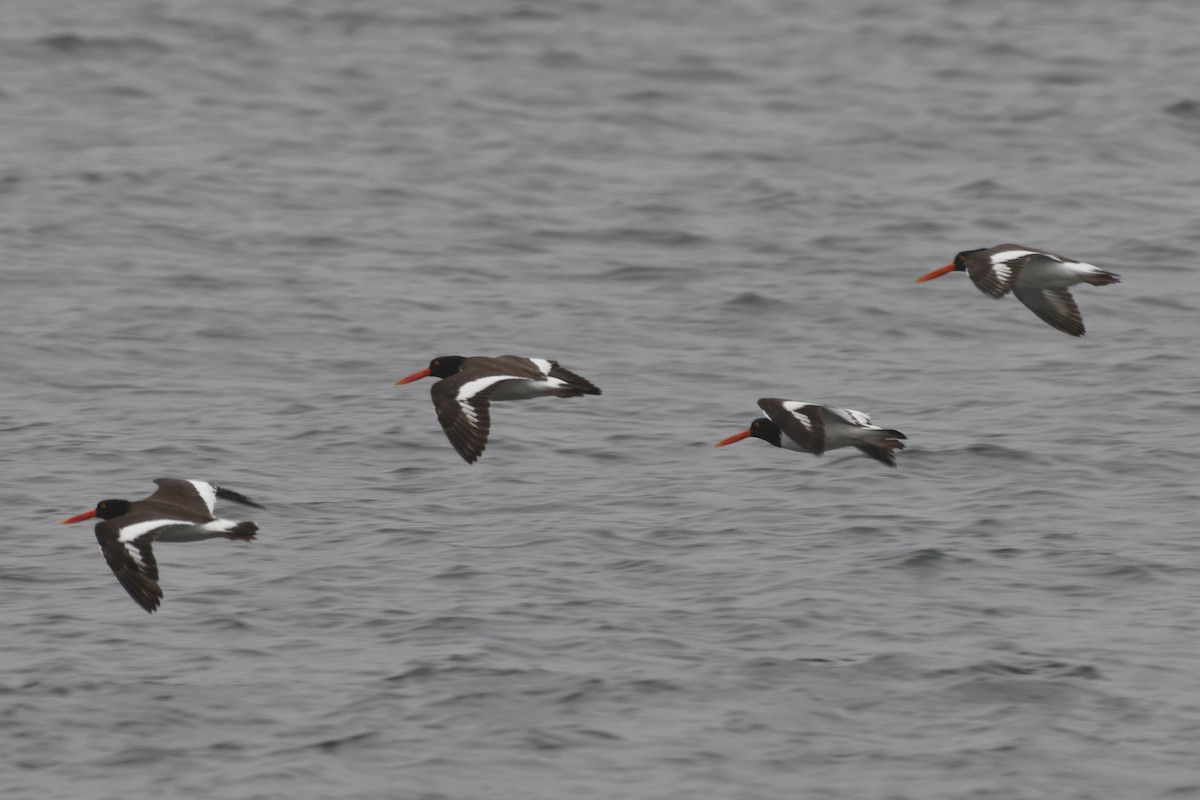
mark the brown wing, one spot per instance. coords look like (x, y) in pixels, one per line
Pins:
(133, 563)
(516, 366)
(181, 495)
(791, 417)
(1055, 306)
(463, 410)
(522, 367)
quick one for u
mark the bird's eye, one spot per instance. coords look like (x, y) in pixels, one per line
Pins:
(437, 363)
(103, 505)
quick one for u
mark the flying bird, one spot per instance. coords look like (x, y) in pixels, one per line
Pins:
(178, 511)
(813, 428)
(468, 385)
(1040, 280)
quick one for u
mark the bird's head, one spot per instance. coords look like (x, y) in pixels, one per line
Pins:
(761, 428)
(105, 509)
(440, 367)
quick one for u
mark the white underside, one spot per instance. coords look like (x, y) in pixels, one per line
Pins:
(1052, 275)
(788, 443)
(839, 435)
(1042, 271)
(526, 389)
(514, 388)
(174, 530)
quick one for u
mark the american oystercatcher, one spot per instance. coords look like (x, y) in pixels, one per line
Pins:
(813, 428)
(468, 384)
(178, 511)
(1038, 279)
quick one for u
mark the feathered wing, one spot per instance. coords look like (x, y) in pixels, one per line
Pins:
(577, 382)
(463, 409)
(995, 271)
(535, 369)
(133, 563)
(881, 453)
(1055, 306)
(847, 426)
(195, 495)
(236, 497)
(846, 416)
(800, 422)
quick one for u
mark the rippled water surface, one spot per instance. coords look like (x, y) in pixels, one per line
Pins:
(227, 228)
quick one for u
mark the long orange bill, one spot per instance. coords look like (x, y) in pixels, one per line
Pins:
(937, 273)
(80, 517)
(737, 437)
(416, 376)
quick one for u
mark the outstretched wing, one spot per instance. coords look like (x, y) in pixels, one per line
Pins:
(236, 497)
(884, 454)
(132, 561)
(848, 416)
(1055, 306)
(801, 422)
(995, 272)
(462, 405)
(196, 496)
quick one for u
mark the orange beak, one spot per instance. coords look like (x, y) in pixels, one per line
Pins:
(80, 517)
(737, 437)
(937, 273)
(416, 376)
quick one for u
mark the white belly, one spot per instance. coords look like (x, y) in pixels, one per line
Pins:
(525, 389)
(1046, 273)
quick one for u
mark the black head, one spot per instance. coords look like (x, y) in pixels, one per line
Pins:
(111, 509)
(763, 428)
(960, 260)
(445, 366)
(105, 509)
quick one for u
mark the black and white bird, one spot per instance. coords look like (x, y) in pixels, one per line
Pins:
(178, 511)
(814, 428)
(1040, 280)
(467, 386)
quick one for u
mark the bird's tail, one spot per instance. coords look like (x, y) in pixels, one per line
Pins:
(576, 384)
(1100, 278)
(882, 446)
(242, 532)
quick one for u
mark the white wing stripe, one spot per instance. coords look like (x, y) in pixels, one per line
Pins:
(1009, 255)
(139, 529)
(472, 388)
(849, 415)
(208, 493)
(135, 554)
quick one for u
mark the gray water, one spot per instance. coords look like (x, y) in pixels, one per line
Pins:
(227, 228)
